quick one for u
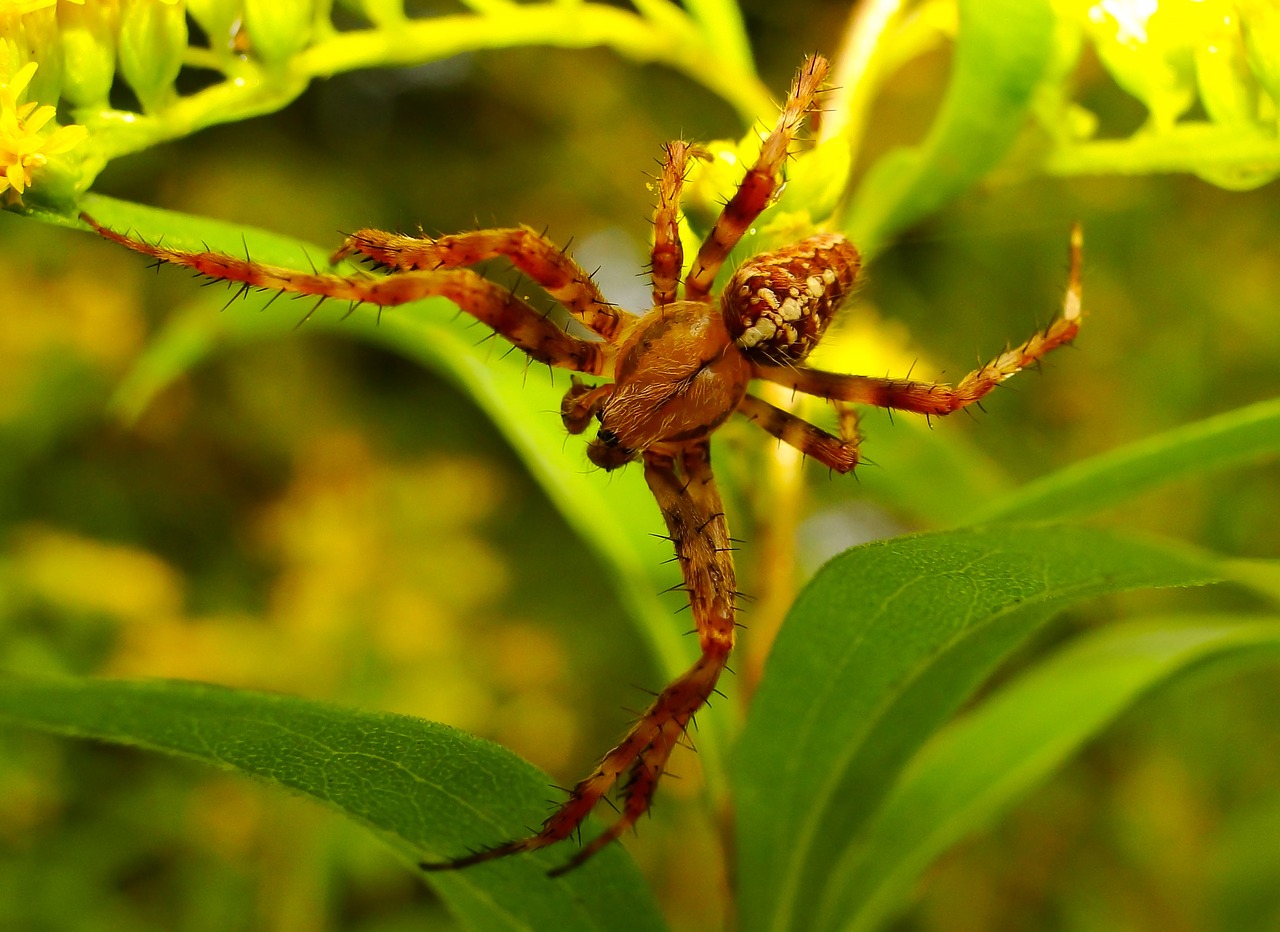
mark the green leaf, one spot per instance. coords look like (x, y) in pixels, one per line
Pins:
(612, 512)
(1245, 435)
(1262, 576)
(876, 653)
(431, 789)
(979, 767)
(1003, 50)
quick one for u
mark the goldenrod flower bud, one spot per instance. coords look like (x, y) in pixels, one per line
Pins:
(220, 20)
(88, 49)
(278, 29)
(153, 40)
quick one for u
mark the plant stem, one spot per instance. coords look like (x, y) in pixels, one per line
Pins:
(252, 90)
(1186, 147)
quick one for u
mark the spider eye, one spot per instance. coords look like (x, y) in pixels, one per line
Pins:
(607, 437)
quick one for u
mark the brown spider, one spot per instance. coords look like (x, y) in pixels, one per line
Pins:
(679, 371)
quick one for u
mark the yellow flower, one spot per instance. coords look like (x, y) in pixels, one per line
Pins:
(23, 147)
(24, 6)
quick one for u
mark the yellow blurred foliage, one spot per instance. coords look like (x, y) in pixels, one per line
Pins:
(49, 315)
(385, 595)
(84, 575)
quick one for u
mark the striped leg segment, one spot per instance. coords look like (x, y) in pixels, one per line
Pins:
(667, 258)
(530, 252)
(759, 186)
(838, 453)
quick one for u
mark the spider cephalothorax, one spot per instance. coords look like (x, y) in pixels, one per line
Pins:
(678, 372)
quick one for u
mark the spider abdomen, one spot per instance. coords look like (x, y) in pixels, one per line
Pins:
(777, 305)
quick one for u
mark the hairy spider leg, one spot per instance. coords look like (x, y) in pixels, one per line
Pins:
(838, 453)
(935, 398)
(492, 305)
(667, 257)
(757, 189)
(679, 475)
(529, 251)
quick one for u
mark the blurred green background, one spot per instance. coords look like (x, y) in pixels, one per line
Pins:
(312, 515)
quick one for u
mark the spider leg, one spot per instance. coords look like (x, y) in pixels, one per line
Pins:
(934, 398)
(838, 453)
(530, 252)
(760, 184)
(667, 257)
(681, 480)
(487, 302)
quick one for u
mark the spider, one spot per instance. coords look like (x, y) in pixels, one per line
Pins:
(678, 372)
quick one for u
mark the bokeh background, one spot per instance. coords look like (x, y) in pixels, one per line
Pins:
(315, 516)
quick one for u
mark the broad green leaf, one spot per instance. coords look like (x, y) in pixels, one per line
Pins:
(1003, 50)
(980, 766)
(876, 653)
(1241, 436)
(430, 789)
(614, 513)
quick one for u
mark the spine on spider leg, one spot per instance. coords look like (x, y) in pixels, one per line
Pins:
(838, 453)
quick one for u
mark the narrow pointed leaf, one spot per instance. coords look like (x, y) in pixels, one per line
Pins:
(875, 655)
(1249, 434)
(983, 764)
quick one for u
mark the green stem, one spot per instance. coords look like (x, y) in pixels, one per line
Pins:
(1187, 147)
(118, 132)
(676, 42)
(673, 39)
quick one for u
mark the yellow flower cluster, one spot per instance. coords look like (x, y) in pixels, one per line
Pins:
(24, 147)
